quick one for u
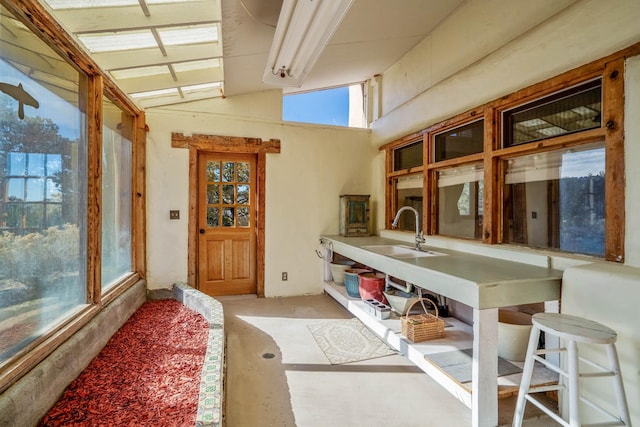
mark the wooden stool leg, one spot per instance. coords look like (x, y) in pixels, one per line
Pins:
(573, 383)
(621, 398)
(527, 373)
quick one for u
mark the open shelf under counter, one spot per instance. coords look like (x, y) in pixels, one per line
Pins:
(458, 336)
(483, 283)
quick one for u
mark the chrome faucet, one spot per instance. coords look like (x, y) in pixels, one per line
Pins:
(419, 236)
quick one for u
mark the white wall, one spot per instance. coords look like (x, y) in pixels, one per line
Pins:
(472, 32)
(516, 55)
(632, 167)
(303, 185)
(607, 293)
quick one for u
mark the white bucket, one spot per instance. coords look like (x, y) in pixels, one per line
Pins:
(514, 328)
(338, 268)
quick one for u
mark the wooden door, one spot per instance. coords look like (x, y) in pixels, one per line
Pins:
(227, 224)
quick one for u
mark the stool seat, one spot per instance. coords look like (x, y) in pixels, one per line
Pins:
(574, 328)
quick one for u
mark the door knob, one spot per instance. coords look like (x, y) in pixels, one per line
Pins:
(202, 231)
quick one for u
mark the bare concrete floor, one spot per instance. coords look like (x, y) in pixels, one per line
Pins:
(299, 387)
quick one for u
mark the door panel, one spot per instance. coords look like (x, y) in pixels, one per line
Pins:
(242, 264)
(215, 260)
(226, 224)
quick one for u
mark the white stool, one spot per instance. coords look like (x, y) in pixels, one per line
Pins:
(571, 330)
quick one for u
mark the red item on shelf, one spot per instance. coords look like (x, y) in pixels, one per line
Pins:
(371, 286)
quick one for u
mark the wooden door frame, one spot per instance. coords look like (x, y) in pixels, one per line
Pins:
(199, 143)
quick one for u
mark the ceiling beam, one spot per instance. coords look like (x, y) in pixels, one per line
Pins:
(166, 81)
(145, 7)
(146, 57)
(175, 99)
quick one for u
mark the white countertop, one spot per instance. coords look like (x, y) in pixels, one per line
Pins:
(479, 281)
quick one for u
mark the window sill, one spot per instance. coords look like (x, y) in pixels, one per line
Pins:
(537, 257)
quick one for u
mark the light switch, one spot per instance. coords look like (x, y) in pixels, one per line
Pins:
(174, 214)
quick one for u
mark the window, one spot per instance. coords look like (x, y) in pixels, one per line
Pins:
(459, 142)
(341, 106)
(570, 111)
(228, 194)
(555, 200)
(406, 181)
(550, 176)
(116, 193)
(53, 211)
(43, 187)
(409, 193)
(460, 201)
(408, 157)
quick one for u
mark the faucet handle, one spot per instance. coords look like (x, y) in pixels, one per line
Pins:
(420, 238)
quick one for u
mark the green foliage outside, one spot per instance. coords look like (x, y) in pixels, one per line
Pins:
(54, 251)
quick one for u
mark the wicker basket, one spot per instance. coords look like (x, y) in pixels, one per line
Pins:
(422, 327)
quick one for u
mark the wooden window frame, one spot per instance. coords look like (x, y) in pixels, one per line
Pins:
(434, 201)
(433, 167)
(392, 175)
(610, 70)
(39, 21)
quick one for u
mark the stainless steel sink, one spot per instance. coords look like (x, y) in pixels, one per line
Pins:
(401, 251)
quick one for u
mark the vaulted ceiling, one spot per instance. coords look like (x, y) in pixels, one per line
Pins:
(172, 51)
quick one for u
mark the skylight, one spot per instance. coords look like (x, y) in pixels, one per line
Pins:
(124, 40)
(144, 39)
(153, 51)
(192, 34)
(82, 4)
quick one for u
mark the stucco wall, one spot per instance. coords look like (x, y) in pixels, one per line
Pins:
(582, 32)
(303, 185)
(472, 32)
(607, 293)
(632, 154)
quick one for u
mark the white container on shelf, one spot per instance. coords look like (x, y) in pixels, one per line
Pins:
(514, 328)
(377, 309)
(338, 268)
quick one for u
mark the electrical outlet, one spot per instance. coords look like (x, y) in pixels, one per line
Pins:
(285, 276)
(174, 214)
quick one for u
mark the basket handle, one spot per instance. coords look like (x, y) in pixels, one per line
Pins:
(422, 299)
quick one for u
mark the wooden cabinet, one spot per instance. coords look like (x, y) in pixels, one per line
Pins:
(354, 215)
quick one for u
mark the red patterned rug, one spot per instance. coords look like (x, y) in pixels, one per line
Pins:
(148, 374)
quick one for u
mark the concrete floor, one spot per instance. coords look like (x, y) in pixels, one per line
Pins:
(299, 387)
